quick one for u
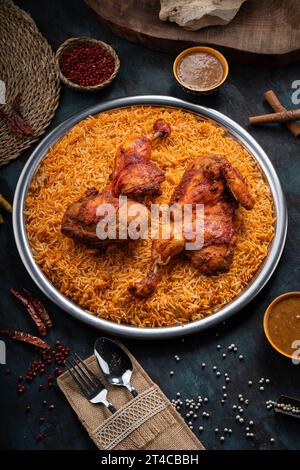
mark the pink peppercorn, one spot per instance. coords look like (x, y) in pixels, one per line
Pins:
(87, 65)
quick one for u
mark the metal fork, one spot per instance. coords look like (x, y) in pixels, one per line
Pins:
(91, 387)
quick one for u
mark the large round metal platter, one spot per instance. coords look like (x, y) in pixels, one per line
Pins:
(253, 288)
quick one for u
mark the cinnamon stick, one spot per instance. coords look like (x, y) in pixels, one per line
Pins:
(273, 100)
(281, 116)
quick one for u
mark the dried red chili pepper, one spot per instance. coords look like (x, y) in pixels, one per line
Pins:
(11, 124)
(15, 120)
(41, 310)
(26, 338)
(32, 312)
(20, 121)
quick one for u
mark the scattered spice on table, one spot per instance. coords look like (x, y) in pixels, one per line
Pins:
(50, 359)
(196, 410)
(33, 312)
(21, 388)
(87, 65)
(26, 338)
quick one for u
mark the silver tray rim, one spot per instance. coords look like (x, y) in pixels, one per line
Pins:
(130, 331)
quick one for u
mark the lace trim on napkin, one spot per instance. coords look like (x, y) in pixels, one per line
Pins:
(129, 418)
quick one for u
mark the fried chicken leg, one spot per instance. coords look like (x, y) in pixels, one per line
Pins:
(212, 181)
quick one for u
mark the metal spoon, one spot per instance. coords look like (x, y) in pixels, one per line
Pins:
(114, 363)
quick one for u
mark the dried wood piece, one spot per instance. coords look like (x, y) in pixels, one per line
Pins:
(196, 14)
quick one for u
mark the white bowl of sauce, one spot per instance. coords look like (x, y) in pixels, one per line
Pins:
(200, 69)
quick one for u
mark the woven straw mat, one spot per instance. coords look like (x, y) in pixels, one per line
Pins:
(27, 66)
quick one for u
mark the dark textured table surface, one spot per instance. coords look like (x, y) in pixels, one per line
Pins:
(149, 72)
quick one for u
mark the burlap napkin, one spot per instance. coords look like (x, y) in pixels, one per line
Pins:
(148, 421)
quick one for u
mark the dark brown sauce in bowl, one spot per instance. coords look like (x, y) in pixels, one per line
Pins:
(200, 71)
(282, 323)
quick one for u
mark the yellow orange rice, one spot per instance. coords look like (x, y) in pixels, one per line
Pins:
(82, 159)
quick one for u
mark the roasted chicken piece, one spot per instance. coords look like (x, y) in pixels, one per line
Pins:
(81, 218)
(134, 174)
(212, 181)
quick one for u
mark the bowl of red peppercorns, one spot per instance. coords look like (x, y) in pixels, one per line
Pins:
(87, 64)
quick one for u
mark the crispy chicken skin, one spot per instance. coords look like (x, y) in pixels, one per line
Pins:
(212, 181)
(80, 219)
(134, 175)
